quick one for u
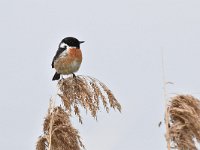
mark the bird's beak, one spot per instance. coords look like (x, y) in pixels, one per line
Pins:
(81, 42)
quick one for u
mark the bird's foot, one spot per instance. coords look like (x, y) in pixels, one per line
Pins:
(62, 77)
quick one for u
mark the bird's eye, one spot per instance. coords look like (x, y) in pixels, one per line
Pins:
(63, 45)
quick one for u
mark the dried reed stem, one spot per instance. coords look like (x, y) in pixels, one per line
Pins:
(87, 92)
(51, 106)
(167, 127)
(166, 103)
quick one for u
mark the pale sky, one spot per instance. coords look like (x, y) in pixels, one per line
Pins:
(123, 42)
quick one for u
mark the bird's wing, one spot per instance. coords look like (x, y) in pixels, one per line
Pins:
(59, 51)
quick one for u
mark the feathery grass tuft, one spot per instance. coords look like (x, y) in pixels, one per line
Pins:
(87, 92)
(41, 143)
(58, 132)
(184, 125)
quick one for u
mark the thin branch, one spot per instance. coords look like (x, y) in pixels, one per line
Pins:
(166, 102)
(51, 107)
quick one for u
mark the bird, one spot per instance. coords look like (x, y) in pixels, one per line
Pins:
(68, 57)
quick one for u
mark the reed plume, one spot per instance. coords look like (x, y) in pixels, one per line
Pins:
(59, 133)
(81, 91)
(184, 122)
(86, 92)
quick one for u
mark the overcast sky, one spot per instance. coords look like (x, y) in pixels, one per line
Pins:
(122, 49)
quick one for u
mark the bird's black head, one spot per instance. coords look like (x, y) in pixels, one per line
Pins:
(71, 42)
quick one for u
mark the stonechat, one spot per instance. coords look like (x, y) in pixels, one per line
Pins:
(68, 57)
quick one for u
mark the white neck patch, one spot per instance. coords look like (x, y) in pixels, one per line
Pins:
(63, 45)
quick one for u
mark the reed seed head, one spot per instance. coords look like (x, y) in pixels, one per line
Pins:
(86, 92)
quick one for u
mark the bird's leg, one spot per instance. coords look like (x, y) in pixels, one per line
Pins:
(74, 76)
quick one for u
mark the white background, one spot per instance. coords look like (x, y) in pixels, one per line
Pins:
(122, 49)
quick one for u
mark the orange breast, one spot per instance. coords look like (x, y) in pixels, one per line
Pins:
(70, 63)
(75, 53)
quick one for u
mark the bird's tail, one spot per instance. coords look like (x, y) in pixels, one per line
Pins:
(56, 76)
